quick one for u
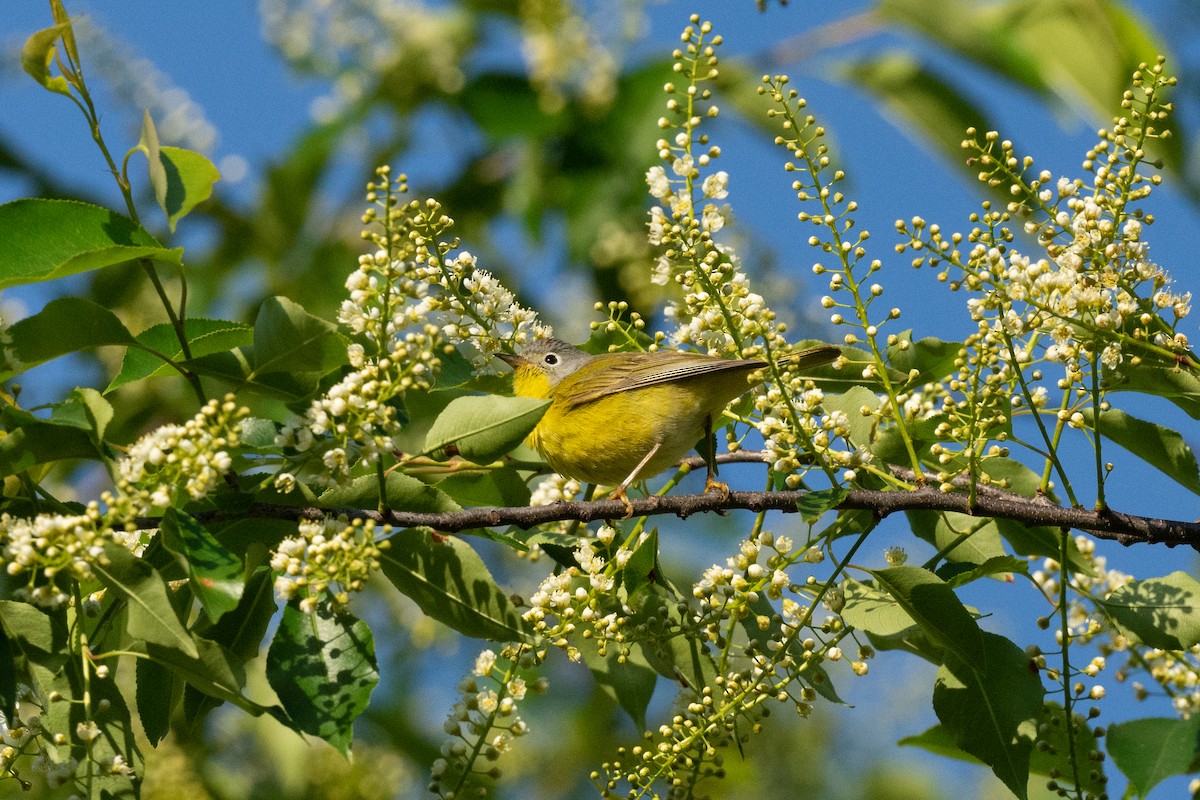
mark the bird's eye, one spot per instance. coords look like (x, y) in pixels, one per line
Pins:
(551, 359)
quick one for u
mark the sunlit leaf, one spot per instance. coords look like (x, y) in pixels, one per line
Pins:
(1159, 612)
(322, 666)
(1148, 751)
(450, 583)
(483, 428)
(1158, 446)
(45, 239)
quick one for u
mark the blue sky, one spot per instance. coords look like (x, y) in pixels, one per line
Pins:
(214, 51)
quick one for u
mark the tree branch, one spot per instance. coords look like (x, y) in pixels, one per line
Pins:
(1108, 524)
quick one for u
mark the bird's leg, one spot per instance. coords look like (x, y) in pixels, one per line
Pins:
(711, 484)
(620, 493)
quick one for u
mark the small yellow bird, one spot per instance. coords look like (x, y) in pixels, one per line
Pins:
(620, 417)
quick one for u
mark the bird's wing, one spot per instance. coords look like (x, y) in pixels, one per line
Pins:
(624, 372)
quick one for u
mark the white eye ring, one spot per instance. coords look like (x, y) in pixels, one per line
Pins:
(550, 359)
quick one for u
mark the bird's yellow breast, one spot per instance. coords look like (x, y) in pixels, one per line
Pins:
(602, 440)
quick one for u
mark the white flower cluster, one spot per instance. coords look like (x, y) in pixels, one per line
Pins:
(1100, 283)
(406, 304)
(50, 546)
(327, 560)
(179, 463)
(485, 314)
(584, 594)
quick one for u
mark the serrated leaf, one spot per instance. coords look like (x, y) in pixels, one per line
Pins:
(454, 371)
(38, 636)
(482, 429)
(873, 611)
(933, 605)
(1158, 446)
(1180, 386)
(998, 565)
(152, 617)
(190, 177)
(74, 431)
(958, 537)
(322, 666)
(681, 659)
(154, 695)
(1148, 751)
(500, 487)
(205, 336)
(450, 583)
(287, 338)
(64, 326)
(1160, 612)
(991, 707)
(239, 633)
(813, 505)
(629, 680)
(403, 493)
(45, 239)
(642, 565)
(214, 572)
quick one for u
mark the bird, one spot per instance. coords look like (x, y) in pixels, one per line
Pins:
(620, 417)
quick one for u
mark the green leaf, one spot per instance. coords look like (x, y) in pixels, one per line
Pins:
(933, 605)
(148, 144)
(851, 403)
(1148, 751)
(482, 429)
(642, 565)
(74, 430)
(322, 667)
(154, 694)
(404, 493)
(292, 350)
(629, 680)
(1158, 446)
(873, 611)
(960, 537)
(454, 371)
(205, 337)
(39, 637)
(190, 177)
(289, 339)
(1159, 612)
(991, 706)
(214, 572)
(64, 326)
(813, 505)
(38, 54)
(45, 239)
(239, 633)
(152, 617)
(450, 583)
(1180, 386)
(678, 658)
(212, 670)
(499, 487)
(999, 565)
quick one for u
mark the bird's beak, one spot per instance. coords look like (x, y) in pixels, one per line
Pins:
(511, 360)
